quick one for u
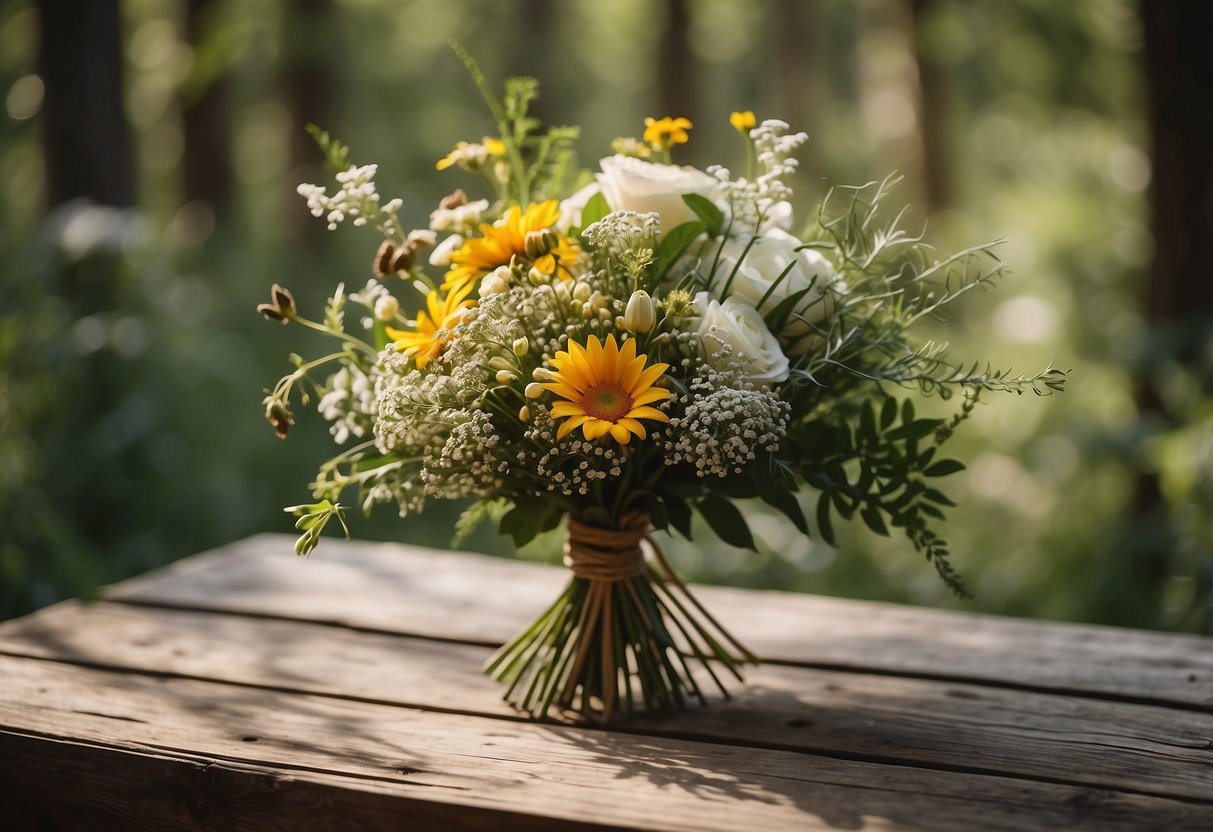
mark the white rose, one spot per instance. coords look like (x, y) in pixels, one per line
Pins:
(631, 184)
(741, 327)
(767, 258)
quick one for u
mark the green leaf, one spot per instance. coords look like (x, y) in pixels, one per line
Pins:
(914, 429)
(787, 503)
(679, 513)
(824, 527)
(872, 516)
(738, 487)
(777, 318)
(726, 521)
(336, 155)
(706, 210)
(938, 497)
(944, 467)
(867, 423)
(525, 520)
(674, 244)
(595, 209)
(888, 413)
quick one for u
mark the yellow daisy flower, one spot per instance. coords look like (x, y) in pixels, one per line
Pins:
(424, 345)
(605, 388)
(506, 239)
(664, 133)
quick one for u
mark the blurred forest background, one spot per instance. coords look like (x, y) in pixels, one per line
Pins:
(149, 152)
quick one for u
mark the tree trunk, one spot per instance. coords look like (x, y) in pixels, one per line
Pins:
(308, 78)
(675, 64)
(1179, 295)
(206, 123)
(795, 42)
(85, 137)
(932, 112)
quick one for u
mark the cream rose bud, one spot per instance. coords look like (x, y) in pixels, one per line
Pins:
(740, 326)
(631, 184)
(768, 257)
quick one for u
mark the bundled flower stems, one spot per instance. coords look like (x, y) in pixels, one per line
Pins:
(622, 351)
(617, 620)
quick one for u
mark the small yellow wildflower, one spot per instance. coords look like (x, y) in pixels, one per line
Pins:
(743, 122)
(666, 132)
(472, 155)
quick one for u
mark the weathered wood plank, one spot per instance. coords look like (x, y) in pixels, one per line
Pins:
(1149, 749)
(430, 761)
(58, 784)
(459, 596)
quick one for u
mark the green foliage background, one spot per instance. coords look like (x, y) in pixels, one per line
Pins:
(132, 365)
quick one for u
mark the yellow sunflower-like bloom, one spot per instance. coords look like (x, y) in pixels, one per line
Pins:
(506, 239)
(743, 122)
(424, 345)
(664, 133)
(605, 388)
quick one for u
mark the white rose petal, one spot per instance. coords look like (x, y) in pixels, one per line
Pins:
(631, 184)
(741, 327)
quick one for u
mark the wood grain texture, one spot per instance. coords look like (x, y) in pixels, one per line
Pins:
(399, 589)
(190, 754)
(1147, 749)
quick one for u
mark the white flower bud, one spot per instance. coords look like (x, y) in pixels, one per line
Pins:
(521, 345)
(497, 362)
(505, 377)
(542, 374)
(537, 277)
(562, 291)
(524, 413)
(533, 390)
(582, 291)
(386, 308)
(640, 315)
(492, 285)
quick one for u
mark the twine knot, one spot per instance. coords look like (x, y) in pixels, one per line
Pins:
(607, 554)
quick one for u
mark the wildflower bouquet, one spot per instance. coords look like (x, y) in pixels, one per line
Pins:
(623, 355)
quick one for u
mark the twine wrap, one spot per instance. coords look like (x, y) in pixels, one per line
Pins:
(607, 554)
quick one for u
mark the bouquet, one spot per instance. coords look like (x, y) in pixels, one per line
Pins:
(619, 351)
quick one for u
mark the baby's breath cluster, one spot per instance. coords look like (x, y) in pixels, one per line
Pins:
(725, 424)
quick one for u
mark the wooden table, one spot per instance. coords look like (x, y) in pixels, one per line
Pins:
(248, 689)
